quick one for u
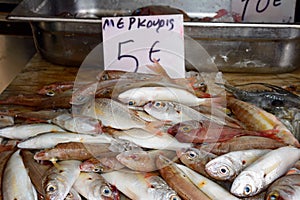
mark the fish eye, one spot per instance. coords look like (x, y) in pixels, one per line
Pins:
(223, 170)
(191, 155)
(185, 128)
(157, 104)
(174, 197)
(98, 169)
(247, 189)
(50, 93)
(106, 191)
(50, 188)
(131, 103)
(273, 196)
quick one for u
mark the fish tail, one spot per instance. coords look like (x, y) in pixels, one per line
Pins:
(158, 69)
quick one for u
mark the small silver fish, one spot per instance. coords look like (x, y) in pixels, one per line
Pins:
(59, 179)
(264, 171)
(228, 166)
(93, 187)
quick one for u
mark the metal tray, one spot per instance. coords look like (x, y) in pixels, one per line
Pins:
(66, 31)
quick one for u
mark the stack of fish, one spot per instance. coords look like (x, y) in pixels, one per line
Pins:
(148, 136)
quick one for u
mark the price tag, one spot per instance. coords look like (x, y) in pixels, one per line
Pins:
(268, 11)
(131, 43)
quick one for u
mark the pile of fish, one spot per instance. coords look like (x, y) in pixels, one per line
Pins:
(149, 136)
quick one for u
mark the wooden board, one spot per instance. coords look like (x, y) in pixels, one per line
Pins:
(39, 72)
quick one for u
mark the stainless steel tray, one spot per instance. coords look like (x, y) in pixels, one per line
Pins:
(66, 31)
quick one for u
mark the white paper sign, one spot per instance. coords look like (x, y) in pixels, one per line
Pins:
(131, 43)
(268, 11)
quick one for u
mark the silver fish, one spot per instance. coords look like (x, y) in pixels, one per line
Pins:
(150, 140)
(78, 124)
(228, 166)
(94, 187)
(140, 96)
(139, 186)
(264, 171)
(49, 140)
(25, 131)
(113, 114)
(16, 182)
(210, 188)
(59, 179)
(143, 161)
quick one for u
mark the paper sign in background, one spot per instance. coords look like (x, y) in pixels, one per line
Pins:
(130, 43)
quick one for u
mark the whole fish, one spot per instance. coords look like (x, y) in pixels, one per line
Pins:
(49, 140)
(58, 180)
(25, 131)
(177, 180)
(195, 159)
(241, 143)
(258, 119)
(194, 131)
(93, 186)
(113, 114)
(285, 188)
(16, 182)
(78, 124)
(228, 166)
(4, 157)
(209, 187)
(176, 112)
(35, 170)
(72, 151)
(266, 99)
(143, 161)
(260, 174)
(150, 140)
(138, 185)
(140, 96)
(106, 162)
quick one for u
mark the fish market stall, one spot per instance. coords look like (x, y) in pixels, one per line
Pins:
(74, 130)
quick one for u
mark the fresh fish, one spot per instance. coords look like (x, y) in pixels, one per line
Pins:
(140, 96)
(285, 188)
(106, 162)
(228, 166)
(16, 183)
(72, 151)
(58, 180)
(78, 124)
(257, 119)
(25, 131)
(194, 131)
(266, 99)
(143, 161)
(177, 180)
(93, 186)
(210, 188)
(6, 120)
(176, 112)
(150, 140)
(240, 143)
(49, 140)
(260, 174)
(35, 170)
(113, 114)
(4, 157)
(139, 186)
(73, 195)
(195, 159)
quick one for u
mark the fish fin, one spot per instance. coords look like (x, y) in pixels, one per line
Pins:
(158, 69)
(153, 127)
(54, 162)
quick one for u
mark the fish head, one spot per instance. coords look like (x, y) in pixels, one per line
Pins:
(133, 97)
(275, 195)
(109, 192)
(156, 108)
(186, 128)
(220, 169)
(246, 184)
(92, 166)
(53, 190)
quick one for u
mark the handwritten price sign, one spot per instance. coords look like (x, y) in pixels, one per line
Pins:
(281, 11)
(131, 43)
